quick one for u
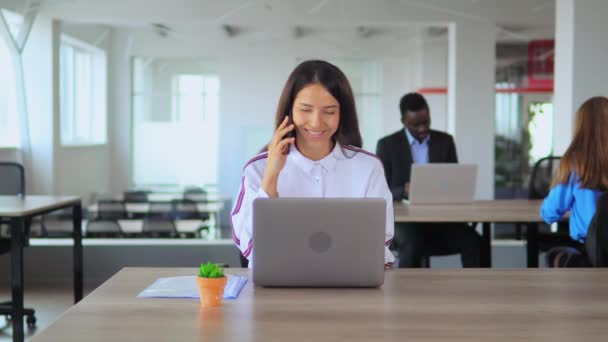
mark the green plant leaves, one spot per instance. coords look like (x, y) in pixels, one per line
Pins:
(210, 270)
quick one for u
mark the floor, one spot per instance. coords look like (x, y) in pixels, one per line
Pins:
(49, 304)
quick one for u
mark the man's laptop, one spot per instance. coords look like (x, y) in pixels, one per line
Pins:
(437, 183)
(318, 242)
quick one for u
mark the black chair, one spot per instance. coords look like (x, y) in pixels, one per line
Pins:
(430, 251)
(186, 209)
(37, 228)
(538, 188)
(244, 261)
(58, 225)
(138, 196)
(596, 243)
(104, 228)
(195, 193)
(158, 227)
(160, 210)
(542, 175)
(12, 182)
(12, 179)
(111, 210)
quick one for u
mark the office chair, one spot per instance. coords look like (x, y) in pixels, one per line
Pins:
(186, 209)
(244, 261)
(135, 196)
(596, 243)
(59, 224)
(195, 193)
(111, 210)
(12, 182)
(102, 228)
(431, 250)
(158, 227)
(160, 210)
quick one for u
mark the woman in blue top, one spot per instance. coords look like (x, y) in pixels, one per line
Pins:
(583, 171)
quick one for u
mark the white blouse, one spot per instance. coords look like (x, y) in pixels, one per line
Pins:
(358, 174)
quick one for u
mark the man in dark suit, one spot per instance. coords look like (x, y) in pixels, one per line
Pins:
(417, 143)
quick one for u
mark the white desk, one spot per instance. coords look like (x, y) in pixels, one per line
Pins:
(18, 211)
(143, 208)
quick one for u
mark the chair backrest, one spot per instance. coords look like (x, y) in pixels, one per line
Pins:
(57, 225)
(596, 243)
(195, 193)
(542, 174)
(194, 190)
(135, 196)
(12, 179)
(184, 209)
(159, 227)
(160, 210)
(103, 228)
(111, 210)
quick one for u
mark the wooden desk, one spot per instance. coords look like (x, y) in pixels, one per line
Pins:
(412, 305)
(16, 211)
(486, 212)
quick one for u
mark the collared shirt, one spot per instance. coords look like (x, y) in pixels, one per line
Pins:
(360, 175)
(420, 150)
(581, 203)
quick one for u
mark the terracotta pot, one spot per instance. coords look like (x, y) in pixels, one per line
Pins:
(211, 290)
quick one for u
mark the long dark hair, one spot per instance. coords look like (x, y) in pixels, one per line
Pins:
(336, 83)
(587, 154)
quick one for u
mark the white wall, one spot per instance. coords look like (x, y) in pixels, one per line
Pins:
(398, 80)
(434, 69)
(471, 98)
(251, 80)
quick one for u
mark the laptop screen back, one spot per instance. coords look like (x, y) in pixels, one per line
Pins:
(318, 242)
(438, 183)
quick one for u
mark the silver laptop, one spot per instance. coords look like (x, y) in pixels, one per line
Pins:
(437, 183)
(318, 242)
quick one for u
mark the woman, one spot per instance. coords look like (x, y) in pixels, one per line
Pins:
(581, 178)
(315, 152)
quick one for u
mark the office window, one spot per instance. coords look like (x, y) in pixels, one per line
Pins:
(510, 143)
(175, 123)
(9, 118)
(541, 130)
(83, 93)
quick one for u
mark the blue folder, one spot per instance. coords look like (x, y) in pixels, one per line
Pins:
(185, 287)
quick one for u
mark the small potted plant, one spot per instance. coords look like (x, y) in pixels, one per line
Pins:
(211, 282)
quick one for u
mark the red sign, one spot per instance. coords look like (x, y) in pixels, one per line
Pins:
(540, 63)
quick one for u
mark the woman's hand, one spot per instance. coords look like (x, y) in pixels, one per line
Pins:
(276, 157)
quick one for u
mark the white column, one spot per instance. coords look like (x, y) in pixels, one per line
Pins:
(433, 66)
(471, 97)
(119, 110)
(580, 62)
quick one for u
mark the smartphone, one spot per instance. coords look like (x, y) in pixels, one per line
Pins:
(290, 134)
